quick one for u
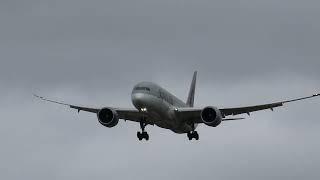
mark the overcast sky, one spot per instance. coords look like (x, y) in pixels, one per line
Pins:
(93, 52)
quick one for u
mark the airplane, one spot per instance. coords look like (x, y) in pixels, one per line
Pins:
(156, 106)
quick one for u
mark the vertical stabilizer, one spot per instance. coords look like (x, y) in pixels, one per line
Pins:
(190, 100)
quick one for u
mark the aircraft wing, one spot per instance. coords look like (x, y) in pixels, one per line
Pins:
(125, 114)
(194, 113)
(249, 109)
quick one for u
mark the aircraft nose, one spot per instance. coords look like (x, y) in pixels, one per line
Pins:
(137, 100)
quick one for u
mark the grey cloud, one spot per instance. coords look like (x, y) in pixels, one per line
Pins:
(93, 52)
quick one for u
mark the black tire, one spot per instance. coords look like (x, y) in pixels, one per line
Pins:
(145, 135)
(196, 136)
(139, 135)
(189, 136)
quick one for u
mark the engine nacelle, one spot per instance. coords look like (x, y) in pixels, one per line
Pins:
(108, 117)
(211, 116)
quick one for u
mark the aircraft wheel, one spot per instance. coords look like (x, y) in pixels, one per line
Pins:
(196, 135)
(192, 135)
(139, 135)
(142, 135)
(189, 136)
(146, 136)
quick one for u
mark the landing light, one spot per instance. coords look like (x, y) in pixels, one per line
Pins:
(144, 109)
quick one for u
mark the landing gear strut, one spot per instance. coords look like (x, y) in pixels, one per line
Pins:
(193, 134)
(143, 134)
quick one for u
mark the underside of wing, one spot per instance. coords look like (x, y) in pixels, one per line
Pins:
(123, 113)
(130, 114)
(195, 114)
(249, 109)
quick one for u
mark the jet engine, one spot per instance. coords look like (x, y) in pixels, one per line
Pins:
(211, 116)
(108, 117)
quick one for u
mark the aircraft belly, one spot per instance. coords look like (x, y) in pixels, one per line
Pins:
(161, 114)
(168, 121)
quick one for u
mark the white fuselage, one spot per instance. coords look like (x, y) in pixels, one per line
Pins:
(159, 106)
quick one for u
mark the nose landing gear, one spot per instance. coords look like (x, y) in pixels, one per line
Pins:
(143, 134)
(193, 134)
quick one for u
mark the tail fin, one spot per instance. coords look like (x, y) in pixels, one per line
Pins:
(190, 100)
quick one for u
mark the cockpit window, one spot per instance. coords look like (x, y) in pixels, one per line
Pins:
(142, 89)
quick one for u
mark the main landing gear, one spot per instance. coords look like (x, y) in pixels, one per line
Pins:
(193, 134)
(143, 134)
